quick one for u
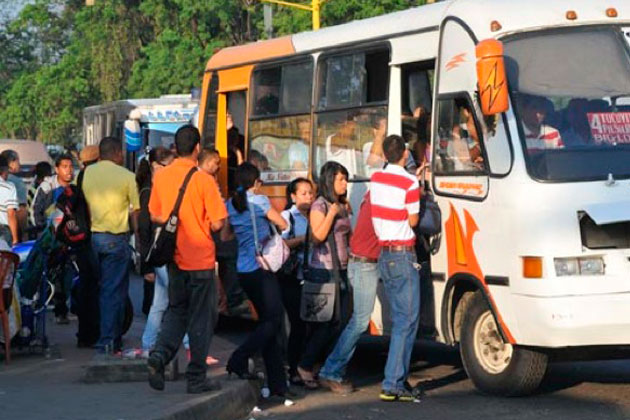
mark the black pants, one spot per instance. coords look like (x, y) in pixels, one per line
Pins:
(263, 290)
(87, 296)
(322, 336)
(291, 295)
(192, 302)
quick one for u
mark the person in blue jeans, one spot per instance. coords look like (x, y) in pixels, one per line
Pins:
(111, 192)
(363, 275)
(395, 212)
(260, 285)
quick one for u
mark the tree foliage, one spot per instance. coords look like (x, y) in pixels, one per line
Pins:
(60, 56)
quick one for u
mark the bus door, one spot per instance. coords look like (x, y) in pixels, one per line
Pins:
(470, 153)
(231, 127)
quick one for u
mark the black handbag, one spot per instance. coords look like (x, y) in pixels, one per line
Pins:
(321, 301)
(162, 248)
(289, 268)
(430, 213)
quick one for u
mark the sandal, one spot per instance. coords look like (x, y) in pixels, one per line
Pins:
(307, 378)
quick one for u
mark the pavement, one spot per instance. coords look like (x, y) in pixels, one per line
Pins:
(53, 386)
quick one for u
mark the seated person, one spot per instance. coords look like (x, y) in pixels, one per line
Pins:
(538, 135)
(577, 131)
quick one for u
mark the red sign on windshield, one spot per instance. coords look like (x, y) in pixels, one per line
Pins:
(610, 127)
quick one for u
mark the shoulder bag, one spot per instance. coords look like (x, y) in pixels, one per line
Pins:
(289, 268)
(162, 248)
(274, 252)
(320, 301)
(430, 213)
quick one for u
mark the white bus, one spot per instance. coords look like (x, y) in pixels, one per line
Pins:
(535, 194)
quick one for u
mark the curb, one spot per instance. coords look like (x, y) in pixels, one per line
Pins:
(235, 400)
(121, 370)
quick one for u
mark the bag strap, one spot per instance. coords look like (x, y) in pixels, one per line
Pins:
(292, 228)
(255, 228)
(332, 244)
(182, 190)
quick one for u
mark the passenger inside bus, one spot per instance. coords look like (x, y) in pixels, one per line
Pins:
(342, 146)
(539, 134)
(373, 155)
(236, 148)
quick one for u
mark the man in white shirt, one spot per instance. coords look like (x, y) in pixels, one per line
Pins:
(8, 205)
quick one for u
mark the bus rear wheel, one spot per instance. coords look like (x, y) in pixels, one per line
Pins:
(494, 366)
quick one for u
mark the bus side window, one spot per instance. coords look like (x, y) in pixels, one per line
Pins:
(351, 114)
(458, 148)
(280, 125)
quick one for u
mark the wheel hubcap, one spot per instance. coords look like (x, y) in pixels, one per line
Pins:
(491, 351)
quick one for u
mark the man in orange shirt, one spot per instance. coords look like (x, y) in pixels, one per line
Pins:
(191, 291)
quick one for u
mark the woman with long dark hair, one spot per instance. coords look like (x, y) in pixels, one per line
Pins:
(299, 200)
(155, 278)
(330, 215)
(260, 285)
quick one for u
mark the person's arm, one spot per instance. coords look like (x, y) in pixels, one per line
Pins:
(277, 219)
(227, 234)
(412, 204)
(375, 158)
(13, 224)
(322, 223)
(215, 207)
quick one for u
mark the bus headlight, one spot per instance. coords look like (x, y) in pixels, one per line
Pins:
(583, 266)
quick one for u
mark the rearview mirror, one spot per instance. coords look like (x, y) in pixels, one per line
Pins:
(493, 87)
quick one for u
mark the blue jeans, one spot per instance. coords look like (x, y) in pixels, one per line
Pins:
(402, 286)
(363, 278)
(113, 255)
(158, 307)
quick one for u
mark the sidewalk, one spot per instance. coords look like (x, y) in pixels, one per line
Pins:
(33, 387)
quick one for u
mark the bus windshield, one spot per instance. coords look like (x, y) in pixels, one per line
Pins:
(571, 94)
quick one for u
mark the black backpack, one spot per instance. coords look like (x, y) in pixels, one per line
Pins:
(74, 229)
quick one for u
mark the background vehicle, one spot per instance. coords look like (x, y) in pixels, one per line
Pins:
(534, 193)
(158, 119)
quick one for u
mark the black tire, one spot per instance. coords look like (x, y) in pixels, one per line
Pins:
(128, 316)
(521, 374)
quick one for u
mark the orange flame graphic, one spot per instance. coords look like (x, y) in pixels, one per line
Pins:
(455, 61)
(461, 256)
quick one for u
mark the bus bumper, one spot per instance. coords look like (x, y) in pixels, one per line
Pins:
(589, 320)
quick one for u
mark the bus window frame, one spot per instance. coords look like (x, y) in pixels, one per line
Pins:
(279, 63)
(211, 107)
(435, 133)
(363, 48)
(297, 59)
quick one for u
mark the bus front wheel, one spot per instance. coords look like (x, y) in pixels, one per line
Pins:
(494, 366)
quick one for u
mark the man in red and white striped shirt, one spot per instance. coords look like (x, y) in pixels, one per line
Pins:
(395, 206)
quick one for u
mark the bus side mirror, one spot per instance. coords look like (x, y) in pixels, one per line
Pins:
(493, 87)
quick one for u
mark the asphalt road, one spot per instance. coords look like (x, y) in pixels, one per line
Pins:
(571, 390)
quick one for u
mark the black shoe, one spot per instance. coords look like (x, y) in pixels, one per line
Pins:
(402, 396)
(156, 373)
(417, 391)
(208, 385)
(243, 372)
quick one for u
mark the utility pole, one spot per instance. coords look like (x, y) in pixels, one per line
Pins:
(314, 8)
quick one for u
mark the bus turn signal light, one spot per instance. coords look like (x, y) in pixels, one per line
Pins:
(571, 15)
(495, 26)
(611, 12)
(532, 267)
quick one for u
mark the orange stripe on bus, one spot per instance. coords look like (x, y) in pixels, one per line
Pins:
(250, 53)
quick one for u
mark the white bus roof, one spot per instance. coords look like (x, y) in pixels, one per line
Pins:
(512, 15)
